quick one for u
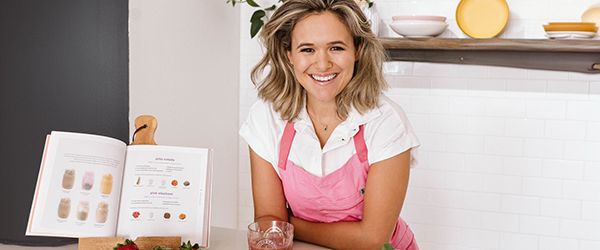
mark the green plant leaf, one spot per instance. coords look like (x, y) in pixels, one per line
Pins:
(252, 3)
(387, 246)
(256, 22)
(255, 27)
(271, 8)
(257, 15)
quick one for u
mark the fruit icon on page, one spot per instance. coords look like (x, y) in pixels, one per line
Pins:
(136, 214)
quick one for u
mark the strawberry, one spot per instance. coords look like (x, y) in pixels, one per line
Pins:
(188, 246)
(129, 245)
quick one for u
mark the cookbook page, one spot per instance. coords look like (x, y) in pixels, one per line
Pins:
(163, 192)
(78, 188)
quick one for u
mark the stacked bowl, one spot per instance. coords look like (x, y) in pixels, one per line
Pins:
(418, 26)
(573, 30)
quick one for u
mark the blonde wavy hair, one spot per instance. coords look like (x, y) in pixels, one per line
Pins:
(281, 88)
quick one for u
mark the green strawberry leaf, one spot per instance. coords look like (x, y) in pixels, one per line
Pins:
(188, 246)
(387, 246)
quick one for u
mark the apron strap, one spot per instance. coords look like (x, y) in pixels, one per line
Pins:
(288, 136)
(360, 145)
(286, 144)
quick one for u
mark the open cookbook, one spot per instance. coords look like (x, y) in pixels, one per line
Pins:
(96, 186)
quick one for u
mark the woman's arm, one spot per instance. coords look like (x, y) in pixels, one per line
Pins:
(267, 191)
(385, 190)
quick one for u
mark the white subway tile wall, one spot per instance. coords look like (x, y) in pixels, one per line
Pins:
(510, 158)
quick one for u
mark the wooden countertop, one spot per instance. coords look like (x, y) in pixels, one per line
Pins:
(220, 238)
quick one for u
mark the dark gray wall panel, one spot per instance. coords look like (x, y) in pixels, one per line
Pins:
(63, 66)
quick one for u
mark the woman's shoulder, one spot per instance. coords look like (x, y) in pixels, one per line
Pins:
(260, 106)
(262, 130)
(261, 110)
(262, 114)
(391, 110)
(390, 133)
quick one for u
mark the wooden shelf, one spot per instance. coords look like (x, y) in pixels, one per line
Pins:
(546, 54)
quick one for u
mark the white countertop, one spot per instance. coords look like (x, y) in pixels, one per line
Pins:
(220, 238)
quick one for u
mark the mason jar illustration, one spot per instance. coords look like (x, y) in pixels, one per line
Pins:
(102, 212)
(68, 179)
(88, 181)
(106, 184)
(64, 208)
(83, 210)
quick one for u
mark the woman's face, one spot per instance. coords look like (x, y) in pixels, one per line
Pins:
(323, 56)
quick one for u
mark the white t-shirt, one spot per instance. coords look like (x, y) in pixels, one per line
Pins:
(387, 133)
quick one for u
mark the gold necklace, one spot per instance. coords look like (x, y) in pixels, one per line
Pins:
(325, 125)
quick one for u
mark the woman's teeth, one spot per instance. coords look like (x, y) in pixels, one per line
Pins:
(323, 78)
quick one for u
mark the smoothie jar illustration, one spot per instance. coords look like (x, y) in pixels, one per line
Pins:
(102, 212)
(64, 208)
(88, 181)
(106, 184)
(83, 210)
(68, 178)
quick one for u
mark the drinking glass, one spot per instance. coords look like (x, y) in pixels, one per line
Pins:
(275, 235)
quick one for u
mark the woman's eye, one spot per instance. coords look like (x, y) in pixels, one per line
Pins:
(307, 50)
(337, 48)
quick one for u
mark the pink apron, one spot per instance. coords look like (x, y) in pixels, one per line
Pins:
(335, 197)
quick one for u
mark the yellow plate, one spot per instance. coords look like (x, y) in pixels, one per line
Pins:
(570, 27)
(482, 18)
(572, 23)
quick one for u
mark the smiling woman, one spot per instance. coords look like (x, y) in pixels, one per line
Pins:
(329, 152)
(279, 86)
(323, 56)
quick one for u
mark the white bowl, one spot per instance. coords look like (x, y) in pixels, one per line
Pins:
(418, 28)
(419, 17)
(592, 14)
(419, 21)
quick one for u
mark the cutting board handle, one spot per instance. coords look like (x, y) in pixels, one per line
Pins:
(145, 127)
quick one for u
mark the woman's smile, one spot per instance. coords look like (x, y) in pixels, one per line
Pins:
(323, 79)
